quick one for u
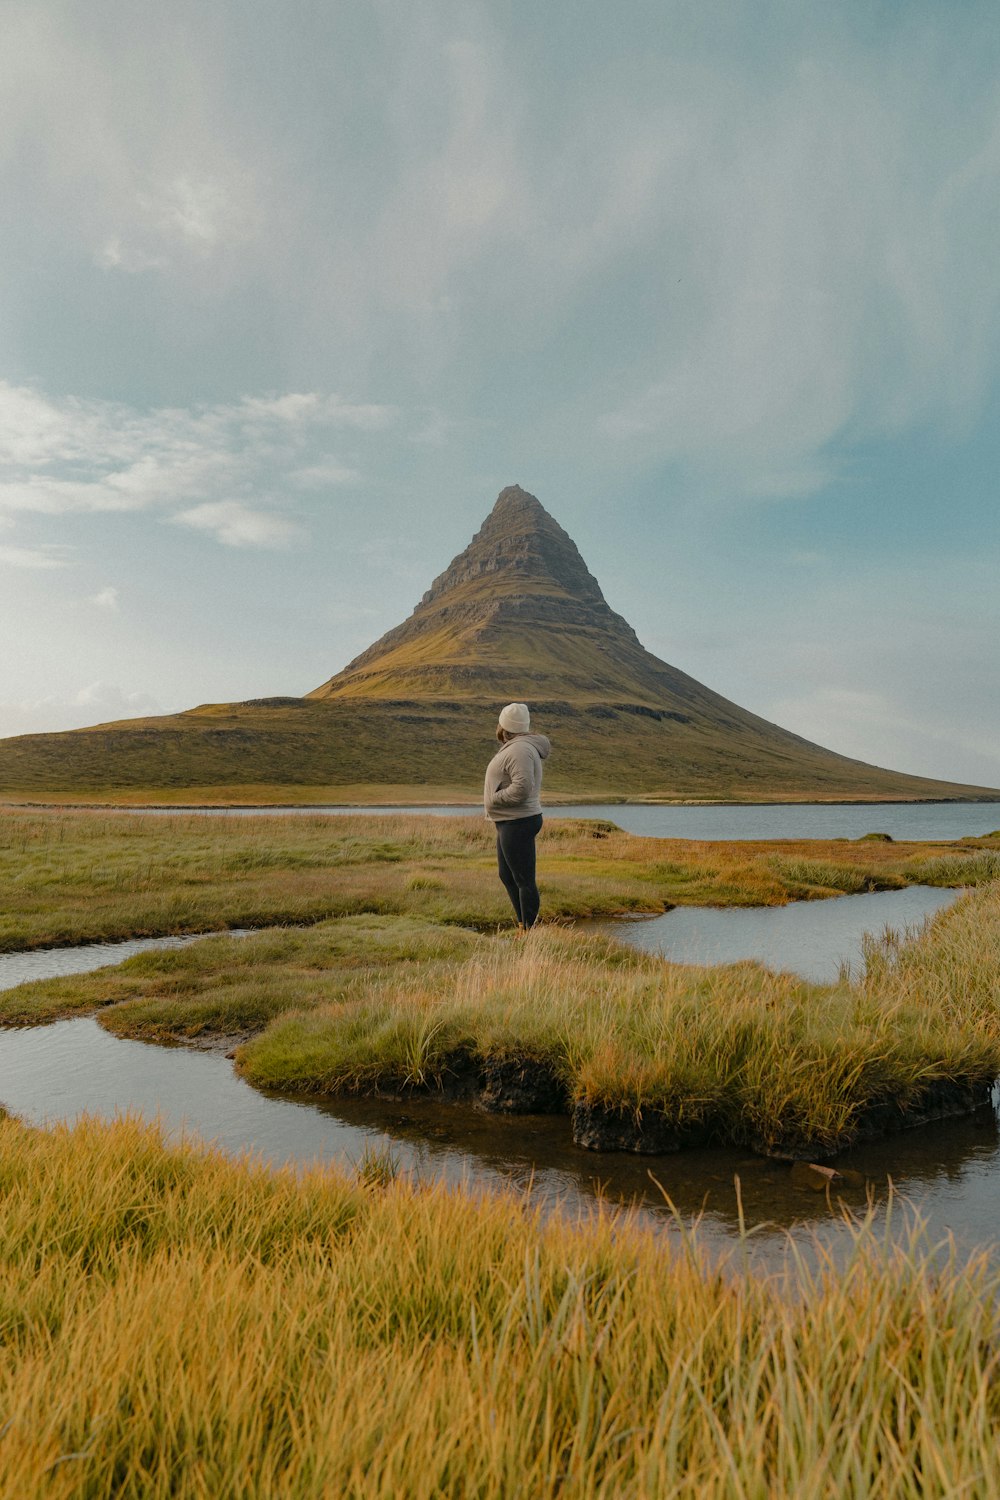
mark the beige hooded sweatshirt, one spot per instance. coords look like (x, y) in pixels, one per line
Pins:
(513, 784)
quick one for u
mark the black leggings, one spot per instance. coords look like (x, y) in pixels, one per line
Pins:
(516, 864)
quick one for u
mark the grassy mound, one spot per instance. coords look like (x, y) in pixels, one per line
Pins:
(734, 1052)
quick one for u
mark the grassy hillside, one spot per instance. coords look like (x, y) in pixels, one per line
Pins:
(299, 750)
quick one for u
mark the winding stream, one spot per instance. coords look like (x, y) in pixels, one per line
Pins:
(811, 938)
(54, 1073)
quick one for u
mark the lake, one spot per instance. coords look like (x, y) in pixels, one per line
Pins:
(811, 820)
(812, 938)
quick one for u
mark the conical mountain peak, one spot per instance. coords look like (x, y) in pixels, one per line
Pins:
(516, 509)
(517, 614)
(520, 540)
(514, 498)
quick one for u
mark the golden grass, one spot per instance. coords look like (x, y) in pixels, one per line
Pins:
(191, 1327)
(72, 877)
(226, 985)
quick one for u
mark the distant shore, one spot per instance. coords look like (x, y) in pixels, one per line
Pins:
(421, 799)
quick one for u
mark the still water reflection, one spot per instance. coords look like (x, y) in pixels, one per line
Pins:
(952, 1171)
(50, 963)
(54, 1073)
(811, 938)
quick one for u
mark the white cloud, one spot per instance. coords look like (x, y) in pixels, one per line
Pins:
(321, 410)
(184, 217)
(114, 255)
(197, 211)
(735, 257)
(876, 727)
(237, 525)
(109, 696)
(72, 456)
(824, 270)
(319, 476)
(106, 598)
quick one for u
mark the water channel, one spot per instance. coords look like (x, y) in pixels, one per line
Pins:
(812, 938)
(951, 1171)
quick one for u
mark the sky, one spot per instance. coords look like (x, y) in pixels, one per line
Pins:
(290, 290)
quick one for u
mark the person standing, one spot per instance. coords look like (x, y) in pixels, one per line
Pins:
(512, 800)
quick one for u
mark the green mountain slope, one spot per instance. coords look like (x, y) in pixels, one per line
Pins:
(517, 615)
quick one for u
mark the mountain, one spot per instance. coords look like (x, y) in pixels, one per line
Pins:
(517, 615)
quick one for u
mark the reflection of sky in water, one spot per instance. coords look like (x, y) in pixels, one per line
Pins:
(808, 937)
(57, 1072)
(903, 820)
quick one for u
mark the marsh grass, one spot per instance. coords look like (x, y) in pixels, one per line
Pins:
(227, 984)
(73, 877)
(735, 1051)
(386, 998)
(191, 1327)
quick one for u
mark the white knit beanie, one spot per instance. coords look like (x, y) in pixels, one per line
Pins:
(515, 718)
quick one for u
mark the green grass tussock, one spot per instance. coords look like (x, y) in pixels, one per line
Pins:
(805, 879)
(733, 1053)
(402, 996)
(192, 1327)
(955, 869)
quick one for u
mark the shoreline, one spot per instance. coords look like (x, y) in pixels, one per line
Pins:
(474, 805)
(373, 971)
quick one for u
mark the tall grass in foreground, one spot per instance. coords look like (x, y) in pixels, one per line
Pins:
(174, 1324)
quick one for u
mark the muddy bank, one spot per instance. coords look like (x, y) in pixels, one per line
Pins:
(599, 1128)
(512, 1085)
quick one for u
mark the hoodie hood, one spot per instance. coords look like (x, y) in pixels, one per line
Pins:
(541, 743)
